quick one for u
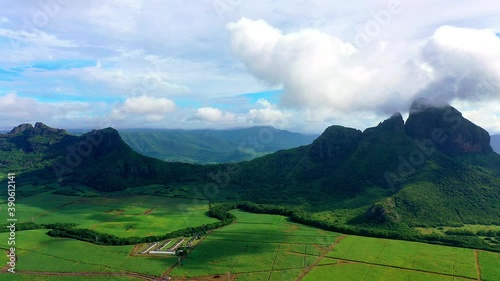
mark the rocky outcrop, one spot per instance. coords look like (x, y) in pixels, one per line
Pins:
(335, 144)
(39, 129)
(446, 128)
(395, 125)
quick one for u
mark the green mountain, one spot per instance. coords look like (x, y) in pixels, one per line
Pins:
(211, 146)
(437, 168)
(495, 143)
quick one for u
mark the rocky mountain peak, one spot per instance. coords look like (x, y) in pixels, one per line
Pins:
(335, 144)
(38, 129)
(445, 126)
(21, 128)
(394, 123)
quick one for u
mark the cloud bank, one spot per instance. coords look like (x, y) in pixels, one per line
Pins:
(320, 71)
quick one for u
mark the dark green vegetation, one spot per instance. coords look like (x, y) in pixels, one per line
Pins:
(495, 143)
(437, 169)
(211, 146)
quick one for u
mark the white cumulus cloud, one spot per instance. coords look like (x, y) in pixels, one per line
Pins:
(465, 64)
(322, 72)
(315, 68)
(152, 108)
(268, 114)
(211, 114)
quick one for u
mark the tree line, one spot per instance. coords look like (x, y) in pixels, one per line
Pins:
(220, 211)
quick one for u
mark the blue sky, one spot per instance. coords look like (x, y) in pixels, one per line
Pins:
(294, 64)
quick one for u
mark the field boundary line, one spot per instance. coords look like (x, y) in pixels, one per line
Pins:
(416, 255)
(404, 268)
(135, 275)
(382, 250)
(303, 254)
(368, 272)
(260, 271)
(309, 268)
(234, 263)
(264, 242)
(76, 261)
(274, 262)
(478, 266)
(245, 232)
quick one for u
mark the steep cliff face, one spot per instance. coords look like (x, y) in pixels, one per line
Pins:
(104, 142)
(335, 144)
(21, 128)
(447, 129)
(394, 124)
(386, 130)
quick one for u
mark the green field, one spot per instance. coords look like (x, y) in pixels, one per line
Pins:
(257, 246)
(125, 216)
(402, 254)
(269, 247)
(39, 252)
(38, 277)
(490, 266)
(363, 258)
(353, 271)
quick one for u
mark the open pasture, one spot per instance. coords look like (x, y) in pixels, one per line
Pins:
(59, 277)
(124, 217)
(41, 253)
(411, 255)
(490, 266)
(255, 247)
(269, 247)
(346, 271)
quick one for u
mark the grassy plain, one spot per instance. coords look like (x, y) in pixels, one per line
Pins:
(269, 247)
(355, 271)
(257, 247)
(490, 266)
(39, 252)
(402, 254)
(35, 277)
(124, 216)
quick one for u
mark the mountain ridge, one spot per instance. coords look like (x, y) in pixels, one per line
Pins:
(395, 172)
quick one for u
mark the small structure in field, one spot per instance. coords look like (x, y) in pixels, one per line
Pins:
(149, 248)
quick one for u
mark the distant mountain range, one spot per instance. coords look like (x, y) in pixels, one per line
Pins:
(212, 146)
(437, 168)
(495, 143)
